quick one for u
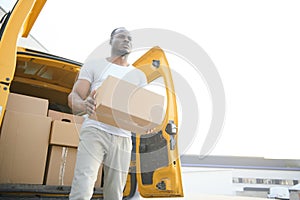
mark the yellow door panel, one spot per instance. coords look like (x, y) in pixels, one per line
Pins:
(157, 159)
(39, 4)
(8, 46)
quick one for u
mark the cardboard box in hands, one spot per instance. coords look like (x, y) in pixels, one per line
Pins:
(127, 106)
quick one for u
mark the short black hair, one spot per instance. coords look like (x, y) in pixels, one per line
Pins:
(115, 30)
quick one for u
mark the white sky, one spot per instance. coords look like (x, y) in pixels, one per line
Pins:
(255, 46)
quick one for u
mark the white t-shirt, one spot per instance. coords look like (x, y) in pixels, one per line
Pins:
(96, 72)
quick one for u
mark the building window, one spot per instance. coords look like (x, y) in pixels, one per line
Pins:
(265, 181)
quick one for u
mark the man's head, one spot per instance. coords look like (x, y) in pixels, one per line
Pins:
(120, 41)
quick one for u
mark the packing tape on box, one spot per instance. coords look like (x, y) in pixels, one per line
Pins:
(64, 154)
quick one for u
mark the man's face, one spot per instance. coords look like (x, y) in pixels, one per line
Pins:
(121, 42)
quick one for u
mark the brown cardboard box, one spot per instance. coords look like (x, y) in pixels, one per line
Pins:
(55, 115)
(65, 133)
(122, 104)
(61, 166)
(27, 104)
(23, 147)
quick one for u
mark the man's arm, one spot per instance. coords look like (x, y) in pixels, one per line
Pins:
(80, 100)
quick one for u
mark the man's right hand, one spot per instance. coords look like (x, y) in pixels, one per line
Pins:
(90, 103)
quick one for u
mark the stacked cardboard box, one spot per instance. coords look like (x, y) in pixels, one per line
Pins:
(60, 116)
(24, 140)
(37, 145)
(64, 139)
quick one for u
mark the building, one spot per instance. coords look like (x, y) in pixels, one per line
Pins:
(240, 176)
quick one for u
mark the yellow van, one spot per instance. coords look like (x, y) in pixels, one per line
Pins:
(33, 96)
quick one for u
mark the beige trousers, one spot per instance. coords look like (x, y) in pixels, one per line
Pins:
(97, 147)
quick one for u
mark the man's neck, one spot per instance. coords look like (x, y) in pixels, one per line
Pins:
(119, 60)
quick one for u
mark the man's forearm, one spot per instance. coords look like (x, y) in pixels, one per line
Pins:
(76, 103)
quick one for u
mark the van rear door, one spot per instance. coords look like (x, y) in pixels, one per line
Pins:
(158, 167)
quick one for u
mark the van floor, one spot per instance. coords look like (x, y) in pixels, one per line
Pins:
(39, 192)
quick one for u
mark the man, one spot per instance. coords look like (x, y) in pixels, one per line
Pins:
(100, 142)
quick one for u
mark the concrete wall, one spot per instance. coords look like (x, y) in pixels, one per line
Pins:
(207, 181)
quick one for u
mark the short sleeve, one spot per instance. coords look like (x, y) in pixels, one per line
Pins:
(86, 72)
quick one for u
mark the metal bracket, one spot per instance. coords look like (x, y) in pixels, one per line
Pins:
(171, 129)
(156, 63)
(161, 185)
